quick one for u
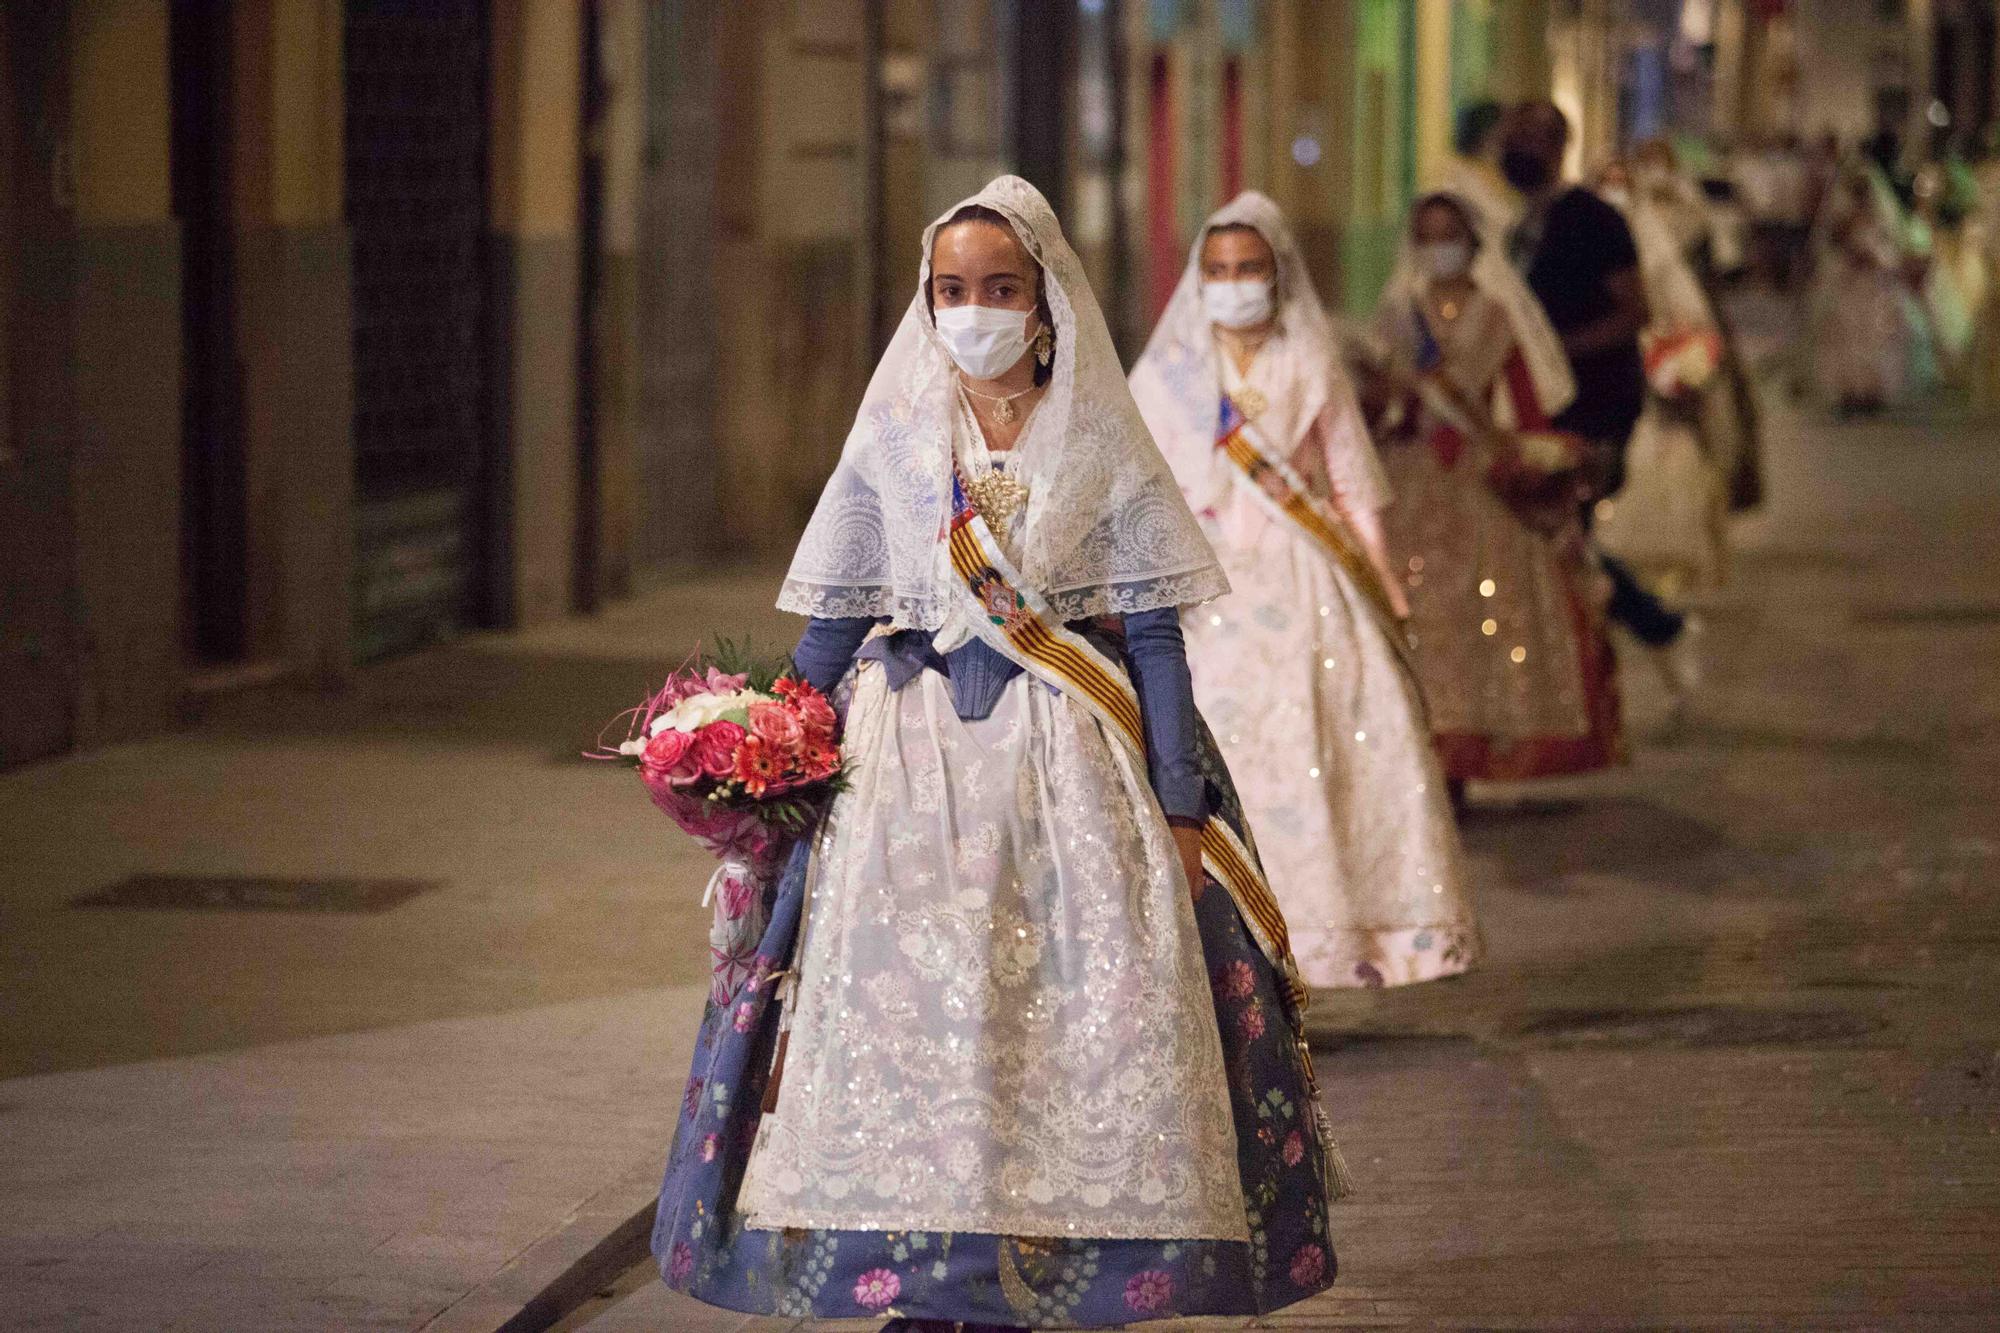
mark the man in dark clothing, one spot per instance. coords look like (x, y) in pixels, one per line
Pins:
(1579, 258)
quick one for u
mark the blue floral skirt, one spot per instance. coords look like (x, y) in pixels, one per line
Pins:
(705, 1250)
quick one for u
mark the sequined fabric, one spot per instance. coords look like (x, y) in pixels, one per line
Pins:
(1324, 730)
(1503, 629)
(1001, 1023)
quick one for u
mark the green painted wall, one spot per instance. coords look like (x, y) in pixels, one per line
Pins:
(1382, 116)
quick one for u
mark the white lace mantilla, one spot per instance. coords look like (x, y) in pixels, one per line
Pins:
(1105, 528)
(1003, 1022)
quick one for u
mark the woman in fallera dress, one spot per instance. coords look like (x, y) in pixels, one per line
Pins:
(1508, 631)
(1042, 1061)
(1869, 333)
(1668, 522)
(1301, 668)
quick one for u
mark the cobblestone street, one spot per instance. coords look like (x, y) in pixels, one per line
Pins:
(1733, 1061)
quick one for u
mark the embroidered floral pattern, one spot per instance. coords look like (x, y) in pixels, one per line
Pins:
(1150, 1291)
(681, 1263)
(877, 1288)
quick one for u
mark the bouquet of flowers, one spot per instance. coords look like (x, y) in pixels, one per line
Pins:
(742, 760)
(1682, 361)
(1538, 473)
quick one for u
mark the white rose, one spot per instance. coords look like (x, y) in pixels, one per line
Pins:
(694, 713)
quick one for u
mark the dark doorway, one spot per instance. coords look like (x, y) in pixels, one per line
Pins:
(38, 640)
(214, 496)
(416, 207)
(1042, 59)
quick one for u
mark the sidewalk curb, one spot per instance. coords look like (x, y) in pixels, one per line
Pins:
(608, 1234)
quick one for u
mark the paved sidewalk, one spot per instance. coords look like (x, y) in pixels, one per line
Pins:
(343, 1120)
(1734, 1061)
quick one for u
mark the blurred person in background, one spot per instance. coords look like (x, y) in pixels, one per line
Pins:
(1954, 279)
(1580, 261)
(1300, 669)
(1753, 171)
(1868, 329)
(1506, 624)
(1673, 195)
(1983, 362)
(1731, 423)
(1668, 521)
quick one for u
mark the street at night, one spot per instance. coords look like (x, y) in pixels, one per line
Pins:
(1731, 1062)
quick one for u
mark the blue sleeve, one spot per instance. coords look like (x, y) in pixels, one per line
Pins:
(826, 650)
(1157, 658)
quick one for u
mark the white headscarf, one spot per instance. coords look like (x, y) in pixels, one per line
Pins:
(1105, 530)
(1177, 380)
(1673, 292)
(1500, 282)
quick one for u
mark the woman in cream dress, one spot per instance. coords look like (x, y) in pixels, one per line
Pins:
(1301, 669)
(1045, 1063)
(1508, 627)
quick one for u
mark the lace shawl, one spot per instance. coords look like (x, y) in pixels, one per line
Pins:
(1178, 379)
(1105, 530)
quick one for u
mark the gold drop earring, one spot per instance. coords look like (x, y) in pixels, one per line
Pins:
(1044, 345)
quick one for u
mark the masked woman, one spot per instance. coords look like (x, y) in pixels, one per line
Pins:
(1508, 632)
(1043, 1063)
(1870, 336)
(1301, 668)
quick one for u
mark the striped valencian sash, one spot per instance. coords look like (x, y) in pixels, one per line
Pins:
(1285, 494)
(1019, 624)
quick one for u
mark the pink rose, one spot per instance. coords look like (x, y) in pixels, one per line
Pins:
(777, 726)
(669, 758)
(1294, 1149)
(1308, 1266)
(877, 1287)
(715, 748)
(816, 713)
(681, 1264)
(1150, 1291)
(1237, 981)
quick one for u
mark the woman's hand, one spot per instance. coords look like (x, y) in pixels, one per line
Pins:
(1187, 841)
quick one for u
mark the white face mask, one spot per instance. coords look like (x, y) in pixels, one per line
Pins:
(985, 341)
(1445, 260)
(1237, 305)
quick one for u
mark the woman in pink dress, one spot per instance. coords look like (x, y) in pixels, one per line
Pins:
(1301, 670)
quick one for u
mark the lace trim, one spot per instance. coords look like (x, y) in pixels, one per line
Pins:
(1025, 1223)
(828, 602)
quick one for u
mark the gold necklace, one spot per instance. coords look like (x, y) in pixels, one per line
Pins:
(1004, 410)
(996, 495)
